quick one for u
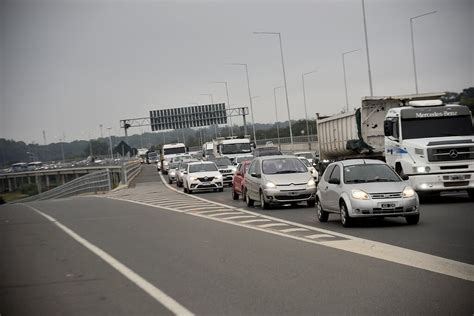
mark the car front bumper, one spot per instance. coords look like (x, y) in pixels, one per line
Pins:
(384, 207)
(197, 185)
(297, 194)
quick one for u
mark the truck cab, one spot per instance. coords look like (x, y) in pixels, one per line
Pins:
(232, 147)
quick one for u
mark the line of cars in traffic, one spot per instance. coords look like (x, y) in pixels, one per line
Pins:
(355, 188)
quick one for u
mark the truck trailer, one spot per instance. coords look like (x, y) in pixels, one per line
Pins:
(418, 135)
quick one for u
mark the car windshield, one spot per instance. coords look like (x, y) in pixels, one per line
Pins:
(370, 173)
(236, 148)
(221, 162)
(305, 162)
(283, 165)
(174, 165)
(202, 167)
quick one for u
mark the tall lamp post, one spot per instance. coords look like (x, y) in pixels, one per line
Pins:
(250, 97)
(413, 45)
(305, 109)
(276, 115)
(228, 104)
(344, 70)
(110, 143)
(212, 102)
(367, 49)
(284, 79)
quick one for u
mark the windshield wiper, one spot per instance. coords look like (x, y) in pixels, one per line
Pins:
(381, 180)
(356, 181)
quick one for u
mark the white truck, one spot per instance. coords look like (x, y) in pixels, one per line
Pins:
(207, 149)
(232, 147)
(430, 142)
(168, 151)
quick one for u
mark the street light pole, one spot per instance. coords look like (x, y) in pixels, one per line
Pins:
(367, 49)
(228, 104)
(212, 102)
(305, 109)
(345, 80)
(276, 115)
(284, 80)
(110, 143)
(413, 45)
(250, 98)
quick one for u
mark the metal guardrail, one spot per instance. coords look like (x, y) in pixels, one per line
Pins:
(98, 181)
(287, 140)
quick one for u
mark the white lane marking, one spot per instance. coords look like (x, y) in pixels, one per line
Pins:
(241, 216)
(316, 236)
(194, 207)
(378, 250)
(205, 212)
(291, 230)
(225, 213)
(146, 286)
(254, 221)
(272, 225)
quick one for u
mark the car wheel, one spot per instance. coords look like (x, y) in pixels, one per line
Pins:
(264, 205)
(412, 219)
(235, 195)
(311, 203)
(242, 190)
(248, 199)
(185, 190)
(321, 214)
(346, 220)
(170, 181)
(179, 184)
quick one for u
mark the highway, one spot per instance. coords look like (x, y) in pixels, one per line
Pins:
(151, 249)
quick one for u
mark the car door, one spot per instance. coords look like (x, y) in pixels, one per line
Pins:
(332, 195)
(238, 178)
(323, 186)
(251, 182)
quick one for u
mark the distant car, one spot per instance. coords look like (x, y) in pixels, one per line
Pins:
(306, 154)
(152, 157)
(239, 159)
(279, 180)
(238, 183)
(310, 167)
(202, 175)
(266, 151)
(361, 188)
(172, 172)
(183, 165)
(226, 168)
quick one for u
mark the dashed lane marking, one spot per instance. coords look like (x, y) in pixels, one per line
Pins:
(291, 230)
(316, 236)
(225, 213)
(128, 273)
(205, 212)
(255, 221)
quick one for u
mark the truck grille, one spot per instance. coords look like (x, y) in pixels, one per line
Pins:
(450, 153)
(394, 195)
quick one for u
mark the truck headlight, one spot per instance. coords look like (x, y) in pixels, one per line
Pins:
(421, 169)
(311, 183)
(360, 195)
(408, 192)
(270, 185)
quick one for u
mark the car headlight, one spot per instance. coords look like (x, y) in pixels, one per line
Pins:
(192, 179)
(218, 177)
(421, 169)
(270, 185)
(360, 195)
(311, 183)
(408, 192)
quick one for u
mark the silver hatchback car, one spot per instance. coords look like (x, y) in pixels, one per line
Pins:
(279, 179)
(359, 188)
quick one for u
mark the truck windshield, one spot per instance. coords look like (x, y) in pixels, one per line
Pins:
(437, 127)
(171, 151)
(236, 148)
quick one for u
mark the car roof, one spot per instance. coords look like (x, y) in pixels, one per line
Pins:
(354, 162)
(276, 157)
(200, 162)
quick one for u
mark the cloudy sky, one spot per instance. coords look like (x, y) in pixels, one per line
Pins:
(69, 66)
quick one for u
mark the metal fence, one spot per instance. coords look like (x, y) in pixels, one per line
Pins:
(287, 140)
(130, 170)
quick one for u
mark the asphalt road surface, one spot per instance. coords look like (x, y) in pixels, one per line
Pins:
(152, 250)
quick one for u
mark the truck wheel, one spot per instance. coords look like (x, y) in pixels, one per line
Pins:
(346, 220)
(248, 199)
(322, 215)
(412, 219)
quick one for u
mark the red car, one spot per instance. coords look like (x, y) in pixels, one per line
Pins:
(238, 180)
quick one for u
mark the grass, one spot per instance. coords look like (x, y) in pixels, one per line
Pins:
(12, 196)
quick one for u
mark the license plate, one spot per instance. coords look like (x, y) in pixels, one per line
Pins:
(456, 177)
(205, 183)
(387, 205)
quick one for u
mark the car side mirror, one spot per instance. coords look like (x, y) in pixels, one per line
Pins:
(404, 177)
(255, 175)
(334, 181)
(185, 172)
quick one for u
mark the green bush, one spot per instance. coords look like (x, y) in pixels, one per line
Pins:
(29, 189)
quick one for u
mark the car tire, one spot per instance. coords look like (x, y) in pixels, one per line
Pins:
(264, 205)
(346, 220)
(235, 195)
(242, 190)
(170, 181)
(185, 190)
(321, 214)
(311, 203)
(179, 184)
(412, 219)
(248, 200)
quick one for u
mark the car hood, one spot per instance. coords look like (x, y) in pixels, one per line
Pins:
(288, 178)
(205, 174)
(380, 187)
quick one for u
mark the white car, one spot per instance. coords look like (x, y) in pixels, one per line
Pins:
(310, 167)
(202, 175)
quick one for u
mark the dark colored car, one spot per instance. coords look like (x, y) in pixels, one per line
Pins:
(238, 183)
